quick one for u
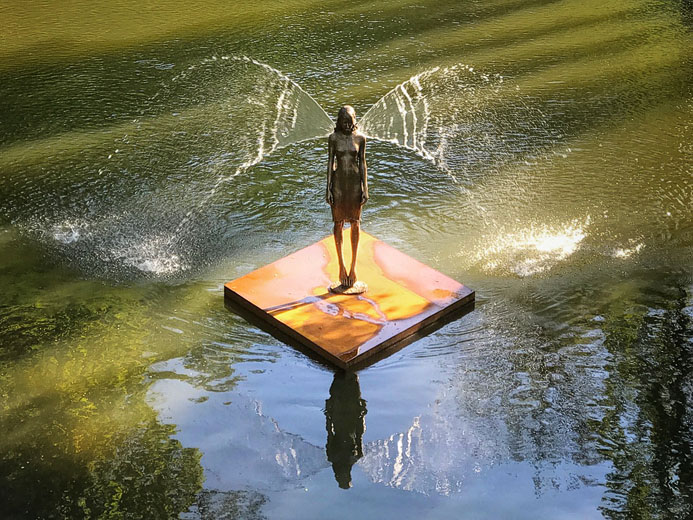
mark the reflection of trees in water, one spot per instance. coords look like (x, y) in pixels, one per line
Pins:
(623, 384)
(138, 472)
(647, 430)
(620, 388)
(149, 476)
(345, 413)
(78, 439)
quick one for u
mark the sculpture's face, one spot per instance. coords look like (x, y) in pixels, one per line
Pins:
(347, 119)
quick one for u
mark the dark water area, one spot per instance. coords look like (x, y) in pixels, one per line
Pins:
(540, 152)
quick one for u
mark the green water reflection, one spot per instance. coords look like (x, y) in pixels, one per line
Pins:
(648, 436)
(563, 194)
(79, 439)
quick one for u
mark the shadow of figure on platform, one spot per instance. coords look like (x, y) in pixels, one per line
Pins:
(345, 414)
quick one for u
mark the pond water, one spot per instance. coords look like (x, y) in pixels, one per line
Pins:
(541, 152)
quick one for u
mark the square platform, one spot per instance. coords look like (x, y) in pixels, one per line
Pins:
(404, 296)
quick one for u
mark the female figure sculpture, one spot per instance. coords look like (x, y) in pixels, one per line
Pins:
(347, 191)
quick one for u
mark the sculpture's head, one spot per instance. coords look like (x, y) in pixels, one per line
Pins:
(346, 120)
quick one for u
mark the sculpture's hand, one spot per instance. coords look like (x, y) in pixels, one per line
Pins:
(329, 197)
(364, 198)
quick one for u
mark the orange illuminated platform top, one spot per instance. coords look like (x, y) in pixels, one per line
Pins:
(404, 297)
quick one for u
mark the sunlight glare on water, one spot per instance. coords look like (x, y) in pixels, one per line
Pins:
(533, 250)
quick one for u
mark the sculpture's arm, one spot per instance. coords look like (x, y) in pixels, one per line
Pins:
(363, 170)
(330, 171)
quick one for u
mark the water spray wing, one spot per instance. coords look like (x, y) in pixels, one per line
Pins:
(448, 115)
(402, 115)
(290, 114)
(152, 180)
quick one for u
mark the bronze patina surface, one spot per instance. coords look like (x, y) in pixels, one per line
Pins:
(292, 296)
(347, 191)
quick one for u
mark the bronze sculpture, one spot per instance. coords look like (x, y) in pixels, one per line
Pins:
(347, 192)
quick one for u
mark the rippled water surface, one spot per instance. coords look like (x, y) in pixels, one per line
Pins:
(540, 152)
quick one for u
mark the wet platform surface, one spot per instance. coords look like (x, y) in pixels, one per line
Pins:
(405, 297)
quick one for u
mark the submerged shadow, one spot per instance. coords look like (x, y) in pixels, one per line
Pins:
(345, 421)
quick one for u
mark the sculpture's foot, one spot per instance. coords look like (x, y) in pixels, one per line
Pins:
(343, 278)
(356, 288)
(351, 279)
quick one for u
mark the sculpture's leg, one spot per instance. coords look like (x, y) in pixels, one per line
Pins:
(338, 226)
(355, 235)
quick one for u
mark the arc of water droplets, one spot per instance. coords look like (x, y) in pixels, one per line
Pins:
(405, 116)
(275, 137)
(412, 106)
(402, 116)
(403, 99)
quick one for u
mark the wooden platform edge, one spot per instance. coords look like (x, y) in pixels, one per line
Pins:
(265, 317)
(454, 311)
(392, 343)
(421, 332)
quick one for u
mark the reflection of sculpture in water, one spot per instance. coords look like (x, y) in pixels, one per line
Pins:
(347, 191)
(345, 414)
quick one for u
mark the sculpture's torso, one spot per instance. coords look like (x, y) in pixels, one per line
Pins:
(346, 181)
(346, 155)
